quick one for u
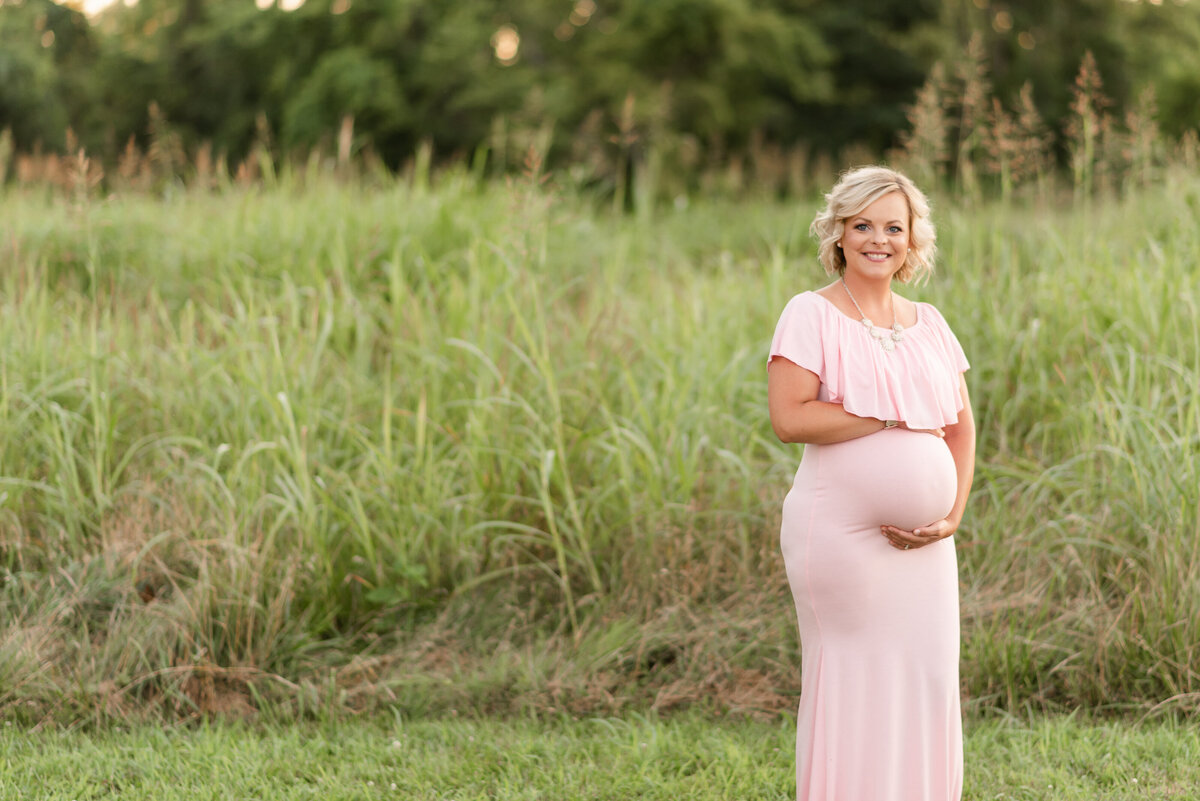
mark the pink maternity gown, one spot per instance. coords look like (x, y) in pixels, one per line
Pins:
(879, 716)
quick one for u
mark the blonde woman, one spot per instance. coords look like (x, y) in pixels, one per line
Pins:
(873, 385)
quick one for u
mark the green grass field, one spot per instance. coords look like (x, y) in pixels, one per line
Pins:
(320, 445)
(685, 757)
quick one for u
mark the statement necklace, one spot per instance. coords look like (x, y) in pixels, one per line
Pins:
(886, 341)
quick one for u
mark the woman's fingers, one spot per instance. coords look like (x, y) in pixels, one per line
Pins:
(901, 539)
(937, 432)
(907, 540)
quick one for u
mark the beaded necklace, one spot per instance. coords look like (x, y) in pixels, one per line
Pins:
(886, 341)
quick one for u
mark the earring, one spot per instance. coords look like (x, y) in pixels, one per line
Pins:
(839, 243)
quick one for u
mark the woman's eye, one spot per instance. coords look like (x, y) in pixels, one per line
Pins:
(894, 229)
(860, 227)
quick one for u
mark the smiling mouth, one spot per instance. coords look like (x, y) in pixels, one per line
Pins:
(877, 256)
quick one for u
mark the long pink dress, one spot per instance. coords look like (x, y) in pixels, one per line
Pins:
(879, 716)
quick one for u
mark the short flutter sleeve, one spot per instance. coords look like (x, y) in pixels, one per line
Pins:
(949, 343)
(798, 334)
(917, 382)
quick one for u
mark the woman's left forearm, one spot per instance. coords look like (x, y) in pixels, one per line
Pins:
(960, 439)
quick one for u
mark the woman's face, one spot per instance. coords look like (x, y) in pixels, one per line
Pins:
(875, 241)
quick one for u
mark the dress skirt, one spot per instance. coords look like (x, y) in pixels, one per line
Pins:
(879, 716)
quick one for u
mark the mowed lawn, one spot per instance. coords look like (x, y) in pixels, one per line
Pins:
(682, 757)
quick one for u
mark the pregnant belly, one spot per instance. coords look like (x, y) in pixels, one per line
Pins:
(895, 477)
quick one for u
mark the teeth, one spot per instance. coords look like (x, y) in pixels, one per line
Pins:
(876, 256)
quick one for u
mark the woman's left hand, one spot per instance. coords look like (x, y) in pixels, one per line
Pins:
(903, 540)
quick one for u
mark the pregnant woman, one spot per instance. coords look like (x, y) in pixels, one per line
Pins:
(873, 385)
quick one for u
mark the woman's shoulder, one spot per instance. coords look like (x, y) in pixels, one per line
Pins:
(807, 303)
(928, 312)
(805, 297)
(823, 299)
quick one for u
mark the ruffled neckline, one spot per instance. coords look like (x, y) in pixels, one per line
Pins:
(917, 381)
(833, 307)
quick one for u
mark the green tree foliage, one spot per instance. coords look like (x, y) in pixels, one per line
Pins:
(345, 81)
(44, 50)
(722, 68)
(693, 79)
(1134, 44)
(454, 84)
(1171, 65)
(882, 50)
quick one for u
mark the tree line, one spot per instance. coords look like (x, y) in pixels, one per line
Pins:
(698, 81)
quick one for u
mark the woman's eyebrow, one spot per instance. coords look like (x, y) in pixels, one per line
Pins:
(889, 222)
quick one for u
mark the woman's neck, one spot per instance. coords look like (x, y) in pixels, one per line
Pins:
(874, 296)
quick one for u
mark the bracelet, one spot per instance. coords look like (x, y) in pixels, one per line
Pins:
(890, 423)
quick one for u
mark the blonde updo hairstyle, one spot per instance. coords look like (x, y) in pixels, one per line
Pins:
(859, 188)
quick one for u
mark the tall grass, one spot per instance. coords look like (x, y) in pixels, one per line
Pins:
(444, 442)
